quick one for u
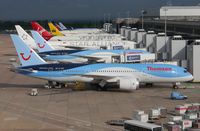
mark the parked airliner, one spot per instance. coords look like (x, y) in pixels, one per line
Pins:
(127, 76)
(80, 56)
(74, 35)
(63, 27)
(80, 45)
(65, 45)
(78, 31)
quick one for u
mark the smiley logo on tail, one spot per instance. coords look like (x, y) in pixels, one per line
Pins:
(41, 45)
(26, 58)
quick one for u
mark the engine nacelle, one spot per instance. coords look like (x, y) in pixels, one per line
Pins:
(128, 83)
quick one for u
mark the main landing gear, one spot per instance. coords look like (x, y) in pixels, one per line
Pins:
(102, 86)
(52, 84)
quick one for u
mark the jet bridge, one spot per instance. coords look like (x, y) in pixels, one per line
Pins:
(133, 58)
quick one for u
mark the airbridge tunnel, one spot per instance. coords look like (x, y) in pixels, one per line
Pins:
(184, 50)
(189, 29)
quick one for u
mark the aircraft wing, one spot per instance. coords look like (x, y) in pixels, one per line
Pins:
(101, 77)
(64, 62)
(88, 57)
(96, 77)
(75, 47)
(124, 82)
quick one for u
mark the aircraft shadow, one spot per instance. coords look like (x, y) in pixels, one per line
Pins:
(55, 92)
(8, 85)
(9, 54)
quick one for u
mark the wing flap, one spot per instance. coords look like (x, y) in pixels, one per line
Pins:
(101, 77)
(88, 57)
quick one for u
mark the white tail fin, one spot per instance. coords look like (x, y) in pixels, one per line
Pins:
(25, 37)
(42, 44)
(62, 26)
(27, 56)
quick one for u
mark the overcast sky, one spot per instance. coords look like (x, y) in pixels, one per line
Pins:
(80, 9)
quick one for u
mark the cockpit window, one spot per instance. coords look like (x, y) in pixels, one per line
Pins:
(185, 71)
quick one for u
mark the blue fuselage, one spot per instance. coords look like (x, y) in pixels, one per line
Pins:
(75, 72)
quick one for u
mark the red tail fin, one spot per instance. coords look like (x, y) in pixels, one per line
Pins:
(37, 27)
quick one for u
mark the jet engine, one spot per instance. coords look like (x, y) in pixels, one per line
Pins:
(128, 83)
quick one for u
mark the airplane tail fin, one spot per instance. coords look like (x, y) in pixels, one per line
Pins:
(62, 26)
(37, 27)
(27, 56)
(26, 37)
(58, 27)
(54, 30)
(42, 44)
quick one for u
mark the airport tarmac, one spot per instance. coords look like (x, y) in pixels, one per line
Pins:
(64, 109)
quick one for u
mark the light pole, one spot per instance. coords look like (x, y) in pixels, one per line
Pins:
(104, 18)
(142, 13)
(128, 15)
(108, 17)
(118, 22)
(142, 19)
(165, 9)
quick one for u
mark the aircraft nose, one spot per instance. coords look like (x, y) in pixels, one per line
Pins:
(190, 78)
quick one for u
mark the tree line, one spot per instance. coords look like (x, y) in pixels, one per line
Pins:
(10, 25)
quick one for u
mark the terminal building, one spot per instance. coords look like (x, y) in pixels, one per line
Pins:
(187, 13)
(172, 49)
(182, 19)
(181, 44)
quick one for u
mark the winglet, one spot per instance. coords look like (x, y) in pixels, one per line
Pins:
(37, 27)
(26, 55)
(54, 30)
(42, 44)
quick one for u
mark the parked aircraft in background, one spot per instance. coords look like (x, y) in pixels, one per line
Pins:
(62, 27)
(78, 45)
(31, 42)
(127, 76)
(79, 31)
(75, 35)
(26, 37)
(81, 56)
(45, 34)
(58, 27)
(54, 30)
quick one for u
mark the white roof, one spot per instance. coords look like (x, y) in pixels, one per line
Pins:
(177, 36)
(180, 7)
(141, 124)
(183, 11)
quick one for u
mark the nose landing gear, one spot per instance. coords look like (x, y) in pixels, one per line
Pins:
(176, 85)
